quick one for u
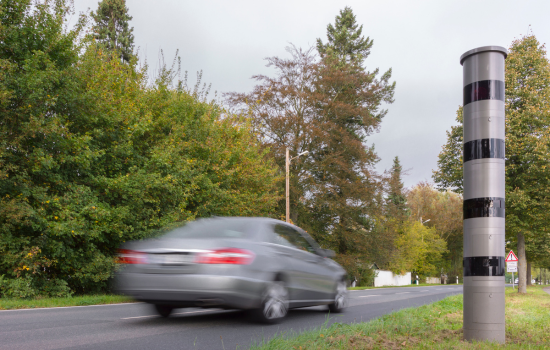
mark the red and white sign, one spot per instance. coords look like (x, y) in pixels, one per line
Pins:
(511, 257)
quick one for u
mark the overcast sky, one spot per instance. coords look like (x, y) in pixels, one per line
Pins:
(420, 40)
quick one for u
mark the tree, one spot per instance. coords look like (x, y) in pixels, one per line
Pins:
(418, 249)
(91, 155)
(285, 112)
(395, 214)
(349, 99)
(112, 29)
(527, 152)
(444, 212)
(396, 200)
(448, 175)
(329, 107)
(343, 55)
(345, 41)
(38, 97)
(282, 115)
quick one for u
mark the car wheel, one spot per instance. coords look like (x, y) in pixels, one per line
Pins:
(164, 310)
(340, 298)
(274, 305)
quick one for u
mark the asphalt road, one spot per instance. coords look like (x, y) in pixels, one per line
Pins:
(135, 326)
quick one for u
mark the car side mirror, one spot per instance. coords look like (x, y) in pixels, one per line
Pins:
(327, 253)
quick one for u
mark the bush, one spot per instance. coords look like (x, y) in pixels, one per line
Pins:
(56, 289)
(366, 277)
(17, 287)
(28, 287)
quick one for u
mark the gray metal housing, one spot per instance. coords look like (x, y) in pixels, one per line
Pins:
(484, 192)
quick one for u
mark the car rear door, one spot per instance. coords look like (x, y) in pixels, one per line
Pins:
(311, 280)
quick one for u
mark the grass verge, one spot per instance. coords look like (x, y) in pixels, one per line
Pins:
(14, 303)
(434, 326)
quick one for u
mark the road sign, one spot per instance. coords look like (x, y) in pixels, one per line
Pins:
(511, 257)
(512, 266)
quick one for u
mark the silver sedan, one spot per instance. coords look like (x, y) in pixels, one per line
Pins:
(262, 265)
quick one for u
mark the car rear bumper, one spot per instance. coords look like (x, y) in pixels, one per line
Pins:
(191, 290)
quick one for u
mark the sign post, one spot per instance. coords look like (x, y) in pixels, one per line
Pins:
(512, 265)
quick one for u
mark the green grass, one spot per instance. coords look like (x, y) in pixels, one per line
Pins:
(409, 285)
(14, 303)
(434, 326)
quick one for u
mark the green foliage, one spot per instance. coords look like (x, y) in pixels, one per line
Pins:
(443, 212)
(419, 248)
(396, 200)
(345, 40)
(355, 95)
(38, 99)
(528, 146)
(17, 288)
(91, 156)
(112, 29)
(366, 276)
(448, 175)
(28, 287)
(396, 210)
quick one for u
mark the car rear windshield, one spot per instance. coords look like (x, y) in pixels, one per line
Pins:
(214, 228)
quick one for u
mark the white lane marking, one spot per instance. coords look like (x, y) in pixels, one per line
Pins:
(68, 307)
(403, 293)
(372, 295)
(179, 313)
(127, 318)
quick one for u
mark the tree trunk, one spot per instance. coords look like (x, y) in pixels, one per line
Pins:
(529, 277)
(522, 264)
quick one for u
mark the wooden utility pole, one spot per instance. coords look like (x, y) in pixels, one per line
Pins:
(287, 191)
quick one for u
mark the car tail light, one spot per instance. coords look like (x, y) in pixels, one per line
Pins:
(232, 256)
(127, 256)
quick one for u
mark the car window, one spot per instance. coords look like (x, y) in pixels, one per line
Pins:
(292, 236)
(272, 237)
(214, 228)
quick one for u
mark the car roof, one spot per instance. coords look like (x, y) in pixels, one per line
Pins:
(251, 218)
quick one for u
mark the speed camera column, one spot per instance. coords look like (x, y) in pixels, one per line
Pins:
(484, 220)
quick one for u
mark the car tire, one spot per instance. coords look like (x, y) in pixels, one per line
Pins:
(274, 306)
(164, 310)
(340, 298)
